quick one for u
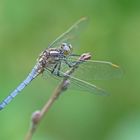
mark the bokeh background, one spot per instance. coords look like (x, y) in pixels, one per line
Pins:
(112, 34)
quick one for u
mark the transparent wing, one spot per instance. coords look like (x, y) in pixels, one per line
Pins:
(78, 84)
(70, 34)
(82, 85)
(96, 70)
(84, 76)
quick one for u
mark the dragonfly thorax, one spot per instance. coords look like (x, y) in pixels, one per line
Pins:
(66, 49)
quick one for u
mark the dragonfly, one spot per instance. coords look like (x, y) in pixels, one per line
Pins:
(58, 57)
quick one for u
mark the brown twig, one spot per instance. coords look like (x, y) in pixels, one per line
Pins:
(38, 115)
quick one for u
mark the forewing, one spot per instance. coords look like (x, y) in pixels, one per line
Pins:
(70, 34)
(96, 70)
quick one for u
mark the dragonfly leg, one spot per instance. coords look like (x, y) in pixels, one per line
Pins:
(56, 69)
(59, 68)
(70, 64)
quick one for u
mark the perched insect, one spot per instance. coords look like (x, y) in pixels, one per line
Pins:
(59, 57)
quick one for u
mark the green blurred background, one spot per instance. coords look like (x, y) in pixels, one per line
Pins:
(113, 34)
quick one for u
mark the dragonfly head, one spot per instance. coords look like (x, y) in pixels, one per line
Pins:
(66, 49)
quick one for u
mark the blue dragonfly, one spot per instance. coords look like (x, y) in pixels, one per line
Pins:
(59, 57)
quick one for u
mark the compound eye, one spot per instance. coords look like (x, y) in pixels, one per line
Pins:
(66, 50)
